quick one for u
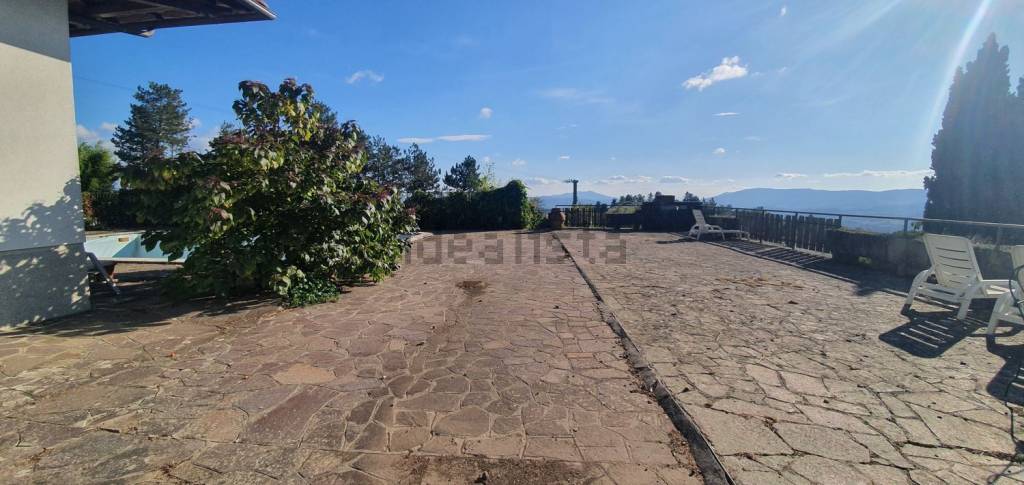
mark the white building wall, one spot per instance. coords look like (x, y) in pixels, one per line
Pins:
(42, 267)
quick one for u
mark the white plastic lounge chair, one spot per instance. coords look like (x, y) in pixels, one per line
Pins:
(702, 227)
(1006, 306)
(957, 276)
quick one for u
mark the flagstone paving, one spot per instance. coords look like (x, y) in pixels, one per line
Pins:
(799, 377)
(459, 369)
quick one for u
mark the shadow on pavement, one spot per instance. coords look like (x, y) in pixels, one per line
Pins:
(1008, 384)
(866, 280)
(141, 305)
(929, 335)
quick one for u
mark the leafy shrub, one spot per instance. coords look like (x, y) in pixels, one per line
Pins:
(111, 210)
(278, 204)
(504, 208)
(311, 292)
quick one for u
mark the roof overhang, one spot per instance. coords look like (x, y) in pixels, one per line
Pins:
(142, 17)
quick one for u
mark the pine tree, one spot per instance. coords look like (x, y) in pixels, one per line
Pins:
(158, 126)
(385, 163)
(977, 157)
(423, 175)
(464, 176)
(410, 170)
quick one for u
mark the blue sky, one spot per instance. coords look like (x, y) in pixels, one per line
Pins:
(629, 97)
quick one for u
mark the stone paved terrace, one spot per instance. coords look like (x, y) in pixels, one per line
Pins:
(800, 377)
(446, 373)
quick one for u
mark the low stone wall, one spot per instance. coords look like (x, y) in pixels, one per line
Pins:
(905, 255)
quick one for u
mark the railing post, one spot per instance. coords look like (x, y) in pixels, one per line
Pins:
(793, 230)
(999, 236)
(764, 226)
(906, 226)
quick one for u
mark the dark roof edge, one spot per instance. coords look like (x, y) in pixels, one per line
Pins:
(262, 8)
(253, 10)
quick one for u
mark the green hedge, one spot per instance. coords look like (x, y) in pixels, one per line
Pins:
(111, 210)
(504, 208)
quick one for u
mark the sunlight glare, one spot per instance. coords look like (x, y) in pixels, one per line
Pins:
(934, 120)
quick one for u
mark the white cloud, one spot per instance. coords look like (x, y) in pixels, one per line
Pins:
(193, 124)
(730, 68)
(564, 157)
(453, 138)
(463, 137)
(486, 113)
(622, 179)
(719, 151)
(673, 179)
(880, 173)
(577, 95)
(783, 11)
(414, 139)
(366, 74)
(568, 127)
(108, 126)
(727, 113)
(487, 159)
(519, 162)
(790, 176)
(534, 181)
(86, 135)
(201, 142)
(753, 138)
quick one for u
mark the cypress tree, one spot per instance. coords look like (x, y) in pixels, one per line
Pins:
(977, 155)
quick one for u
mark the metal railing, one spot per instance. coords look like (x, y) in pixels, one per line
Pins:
(809, 229)
(584, 215)
(997, 233)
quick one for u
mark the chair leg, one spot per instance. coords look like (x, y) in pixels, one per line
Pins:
(918, 280)
(965, 303)
(997, 314)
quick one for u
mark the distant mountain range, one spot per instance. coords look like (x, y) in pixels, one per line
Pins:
(898, 203)
(547, 202)
(895, 203)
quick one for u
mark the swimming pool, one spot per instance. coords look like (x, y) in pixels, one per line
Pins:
(127, 248)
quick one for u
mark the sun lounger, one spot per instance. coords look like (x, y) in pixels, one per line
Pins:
(702, 227)
(1007, 306)
(958, 278)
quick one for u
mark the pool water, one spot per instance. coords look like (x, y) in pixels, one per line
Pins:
(127, 248)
